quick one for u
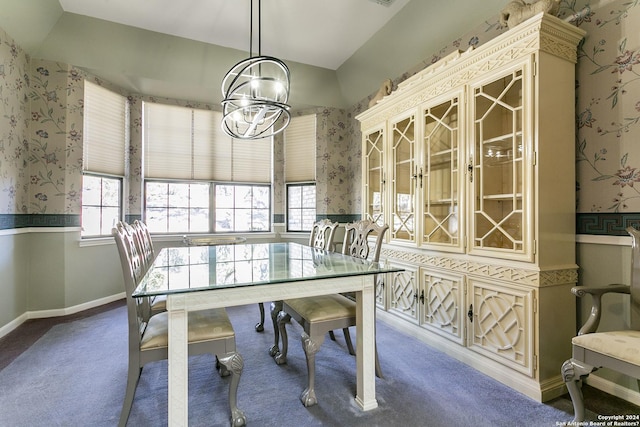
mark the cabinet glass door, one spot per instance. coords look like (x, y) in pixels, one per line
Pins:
(403, 179)
(439, 177)
(497, 170)
(374, 176)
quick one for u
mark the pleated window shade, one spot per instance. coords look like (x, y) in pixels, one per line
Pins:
(183, 143)
(105, 130)
(300, 149)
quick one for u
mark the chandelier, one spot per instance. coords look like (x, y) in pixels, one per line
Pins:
(255, 93)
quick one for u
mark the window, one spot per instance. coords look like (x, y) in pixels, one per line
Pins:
(242, 208)
(300, 172)
(177, 207)
(300, 149)
(101, 197)
(301, 207)
(200, 180)
(105, 126)
(184, 207)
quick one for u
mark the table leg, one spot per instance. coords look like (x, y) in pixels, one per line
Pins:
(178, 361)
(365, 345)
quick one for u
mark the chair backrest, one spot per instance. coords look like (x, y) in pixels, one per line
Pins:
(138, 309)
(322, 234)
(635, 278)
(145, 244)
(356, 239)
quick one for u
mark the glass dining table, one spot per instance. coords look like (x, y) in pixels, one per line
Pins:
(202, 277)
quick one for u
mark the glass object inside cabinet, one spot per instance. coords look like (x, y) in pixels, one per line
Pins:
(498, 164)
(440, 188)
(374, 145)
(404, 179)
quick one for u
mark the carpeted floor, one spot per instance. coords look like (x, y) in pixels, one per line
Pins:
(72, 372)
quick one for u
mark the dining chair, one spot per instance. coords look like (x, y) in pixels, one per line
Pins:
(148, 305)
(158, 303)
(321, 237)
(146, 244)
(321, 314)
(618, 350)
(209, 331)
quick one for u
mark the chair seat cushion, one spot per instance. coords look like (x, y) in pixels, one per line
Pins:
(159, 303)
(623, 345)
(204, 325)
(323, 308)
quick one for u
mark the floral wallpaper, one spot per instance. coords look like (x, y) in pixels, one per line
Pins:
(608, 107)
(41, 124)
(14, 127)
(55, 138)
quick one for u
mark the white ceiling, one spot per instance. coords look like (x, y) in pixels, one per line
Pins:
(323, 33)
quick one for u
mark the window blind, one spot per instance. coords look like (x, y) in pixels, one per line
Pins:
(300, 149)
(167, 142)
(184, 143)
(104, 130)
(242, 160)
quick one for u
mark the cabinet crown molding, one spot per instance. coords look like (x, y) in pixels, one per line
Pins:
(542, 32)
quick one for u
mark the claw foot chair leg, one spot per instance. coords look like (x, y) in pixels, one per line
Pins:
(276, 308)
(234, 364)
(260, 325)
(573, 372)
(311, 347)
(281, 357)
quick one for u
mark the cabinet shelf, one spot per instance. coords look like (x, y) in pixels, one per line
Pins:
(503, 140)
(502, 197)
(445, 202)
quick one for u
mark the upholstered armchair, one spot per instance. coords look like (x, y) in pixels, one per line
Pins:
(616, 350)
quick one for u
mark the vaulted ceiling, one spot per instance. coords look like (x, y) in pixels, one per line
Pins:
(339, 51)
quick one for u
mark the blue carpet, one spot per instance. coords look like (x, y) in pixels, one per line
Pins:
(75, 375)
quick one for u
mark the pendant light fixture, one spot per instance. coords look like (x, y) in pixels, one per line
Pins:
(255, 93)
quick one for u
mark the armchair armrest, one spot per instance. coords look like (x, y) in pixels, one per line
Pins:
(596, 303)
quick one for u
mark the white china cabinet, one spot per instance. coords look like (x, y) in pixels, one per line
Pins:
(471, 163)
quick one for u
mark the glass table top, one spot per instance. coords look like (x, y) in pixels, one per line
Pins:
(188, 269)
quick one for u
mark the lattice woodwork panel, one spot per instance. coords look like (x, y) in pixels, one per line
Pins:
(403, 294)
(442, 299)
(501, 324)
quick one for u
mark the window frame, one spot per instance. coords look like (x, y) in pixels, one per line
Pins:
(212, 223)
(301, 209)
(121, 189)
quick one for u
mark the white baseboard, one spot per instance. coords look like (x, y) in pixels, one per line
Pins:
(613, 389)
(13, 324)
(40, 314)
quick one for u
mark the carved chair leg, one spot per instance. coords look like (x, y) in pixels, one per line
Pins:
(310, 347)
(222, 369)
(276, 308)
(573, 372)
(260, 325)
(281, 356)
(233, 363)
